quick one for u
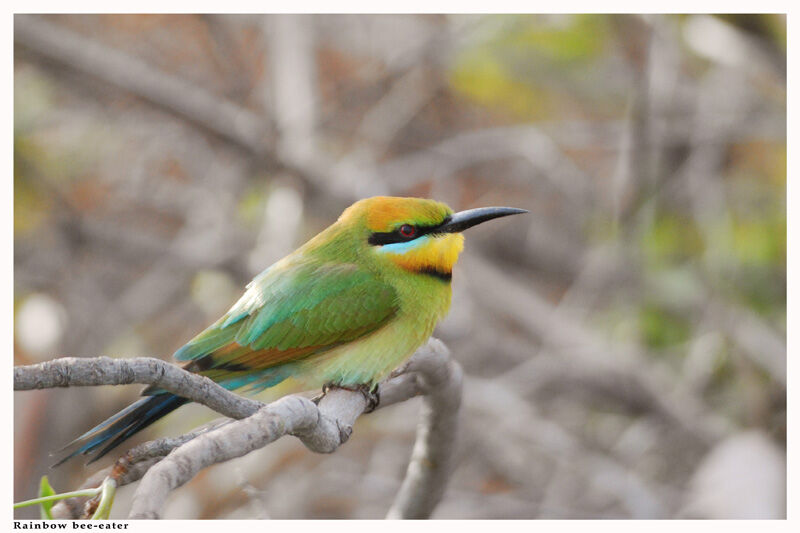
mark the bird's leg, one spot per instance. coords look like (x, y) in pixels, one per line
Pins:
(370, 394)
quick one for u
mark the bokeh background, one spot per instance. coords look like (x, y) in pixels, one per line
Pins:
(624, 343)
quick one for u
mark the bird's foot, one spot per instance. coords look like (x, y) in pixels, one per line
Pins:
(371, 394)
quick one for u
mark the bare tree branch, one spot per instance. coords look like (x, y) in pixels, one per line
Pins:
(77, 372)
(73, 508)
(286, 416)
(431, 461)
(325, 427)
(322, 428)
(131, 467)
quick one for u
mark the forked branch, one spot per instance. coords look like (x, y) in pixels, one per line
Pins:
(322, 428)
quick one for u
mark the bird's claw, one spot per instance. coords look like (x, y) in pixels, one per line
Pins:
(371, 395)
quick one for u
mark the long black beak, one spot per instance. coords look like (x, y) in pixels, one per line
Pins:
(466, 219)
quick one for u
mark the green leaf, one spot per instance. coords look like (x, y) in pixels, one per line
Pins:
(46, 490)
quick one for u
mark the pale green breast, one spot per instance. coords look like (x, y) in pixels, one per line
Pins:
(424, 301)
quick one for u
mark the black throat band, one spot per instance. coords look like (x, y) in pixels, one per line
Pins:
(438, 274)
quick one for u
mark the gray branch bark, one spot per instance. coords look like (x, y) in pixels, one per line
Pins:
(322, 428)
(439, 378)
(130, 467)
(77, 372)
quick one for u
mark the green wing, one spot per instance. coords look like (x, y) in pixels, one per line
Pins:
(288, 313)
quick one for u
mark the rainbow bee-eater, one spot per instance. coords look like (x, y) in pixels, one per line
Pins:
(344, 309)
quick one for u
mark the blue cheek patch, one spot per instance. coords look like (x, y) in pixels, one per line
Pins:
(403, 247)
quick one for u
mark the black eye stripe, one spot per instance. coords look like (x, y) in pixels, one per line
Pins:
(391, 237)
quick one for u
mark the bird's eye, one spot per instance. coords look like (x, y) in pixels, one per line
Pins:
(408, 231)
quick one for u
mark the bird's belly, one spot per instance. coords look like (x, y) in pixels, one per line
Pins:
(369, 359)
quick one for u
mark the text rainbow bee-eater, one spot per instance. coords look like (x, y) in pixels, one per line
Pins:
(345, 309)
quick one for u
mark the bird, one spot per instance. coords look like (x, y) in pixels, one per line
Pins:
(344, 309)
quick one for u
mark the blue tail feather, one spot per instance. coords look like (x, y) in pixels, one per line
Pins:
(157, 403)
(123, 425)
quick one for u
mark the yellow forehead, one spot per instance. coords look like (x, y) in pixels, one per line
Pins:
(385, 213)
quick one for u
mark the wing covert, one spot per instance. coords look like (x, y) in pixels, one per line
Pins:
(288, 313)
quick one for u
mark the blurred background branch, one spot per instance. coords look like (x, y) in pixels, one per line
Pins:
(635, 329)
